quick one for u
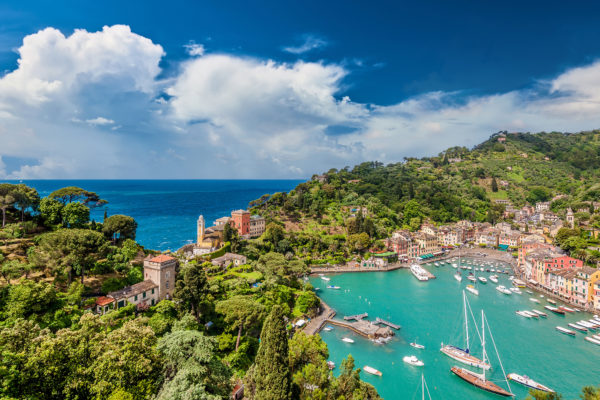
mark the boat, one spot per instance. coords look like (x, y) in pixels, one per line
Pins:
(471, 278)
(494, 278)
(503, 289)
(325, 278)
(458, 276)
(412, 360)
(567, 309)
(527, 381)
(529, 291)
(417, 345)
(482, 279)
(454, 266)
(565, 331)
(523, 314)
(472, 289)
(515, 290)
(419, 272)
(555, 310)
(593, 340)
(424, 388)
(578, 327)
(586, 324)
(551, 301)
(372, 370)
(540, 313)
(328, 328)
(518, 283)
(463, 355)
(333, 287)
(331, 365)
(479, 379)
(534, 299)
(347, 340)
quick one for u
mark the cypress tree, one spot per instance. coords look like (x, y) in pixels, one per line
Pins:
(494, 185)
(271, 369)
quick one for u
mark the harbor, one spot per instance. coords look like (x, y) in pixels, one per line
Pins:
(429, 312)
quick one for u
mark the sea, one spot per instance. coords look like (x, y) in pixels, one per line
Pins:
(167, 210)
(431, 313)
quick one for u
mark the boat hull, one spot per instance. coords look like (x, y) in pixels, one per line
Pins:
(529, 383)
(476, 380)
(463, 357)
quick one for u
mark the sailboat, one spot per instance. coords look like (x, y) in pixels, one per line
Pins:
(463, 355)
(479, 379)
(424, 388)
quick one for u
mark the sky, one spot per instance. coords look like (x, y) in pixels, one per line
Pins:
(271, 89)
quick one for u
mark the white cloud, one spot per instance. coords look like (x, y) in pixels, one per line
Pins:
(194, 49)
(227, 116)
(310, 42)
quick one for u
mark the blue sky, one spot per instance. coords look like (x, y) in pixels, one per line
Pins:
(281, 89)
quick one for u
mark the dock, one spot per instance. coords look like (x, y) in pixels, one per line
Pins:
(356, 317)
(364, 328)
(387, 323)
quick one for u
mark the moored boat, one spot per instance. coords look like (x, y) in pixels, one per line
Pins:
(458, 276)
(347, 340)
(472, 289)
(419, 272)
(578, 327)
(482, 279)
(372, 370)
(412, 360)
(527, 381)
(540, 313)
(523, 314)
(555, 310)
(494, 278)
(565, 331)
(515, 290)
(479, 381)
(534, 299)
(567, 309)
(417, 345)
(325, 278)
(328, 328)
(333, 287)
(593, 340)
(551, 301)
(503, 289)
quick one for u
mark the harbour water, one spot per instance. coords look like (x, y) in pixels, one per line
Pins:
(431, 312)
(166, 210)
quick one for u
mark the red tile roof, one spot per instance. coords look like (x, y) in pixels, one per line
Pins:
(162, 258)
(103, 300)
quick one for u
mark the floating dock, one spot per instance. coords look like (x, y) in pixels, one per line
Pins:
(356, 317)
(387, 323)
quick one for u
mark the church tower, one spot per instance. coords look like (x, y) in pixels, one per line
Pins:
(570, 218)
(200, 227)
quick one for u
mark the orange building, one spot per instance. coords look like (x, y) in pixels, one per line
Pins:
(240, 219)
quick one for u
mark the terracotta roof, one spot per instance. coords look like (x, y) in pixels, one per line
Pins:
(162, 258)
(129, 291)
(103, 300)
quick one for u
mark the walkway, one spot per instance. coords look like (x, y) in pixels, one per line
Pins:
(316, 324)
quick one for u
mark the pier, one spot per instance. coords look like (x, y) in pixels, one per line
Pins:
(387, 323)
(357, 317)
(364, 328)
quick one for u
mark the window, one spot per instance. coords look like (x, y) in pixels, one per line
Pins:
(135, 298)
(168, 275)
(167, 284)
(144, 295)
(152, 292)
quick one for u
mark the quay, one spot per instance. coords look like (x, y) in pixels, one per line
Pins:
(364, 328)
(384, 322)
(315, 325)
(331, 269)
(357, 317)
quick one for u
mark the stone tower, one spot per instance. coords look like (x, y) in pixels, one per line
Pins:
(161, 271)
(570, 218)
(200, 227)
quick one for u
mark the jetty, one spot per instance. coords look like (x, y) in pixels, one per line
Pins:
(364, 328)
(357, 317)
(387, 323)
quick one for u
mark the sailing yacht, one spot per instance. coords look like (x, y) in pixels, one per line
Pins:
(479, 379)
(424, 388)
(463, 355)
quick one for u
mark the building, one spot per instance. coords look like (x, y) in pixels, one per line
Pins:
(240, 220)
(248, 226)
(570, 218)
(229, 258)
(257, 225)
(542, 206)
(161, 270)
(143, 295)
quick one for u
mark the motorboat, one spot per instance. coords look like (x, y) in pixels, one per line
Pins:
(328, 328)
(567, 309)
(515, 290)
(555, 310)
(530, 383)
(419, 272)
(482, 279)
(330, 365)
(347, 340)
(534, 299)
(325, 278)
(565, 331)
(540, 313)
(412, 360)
(503, 289)
(472, 289)
(472, 278)
(593, 340)
(458, 276)
(417, 345)
(333, 287)
(523, 314)
(494, 278)
(578, 327)
(372, 370)
(551, 301)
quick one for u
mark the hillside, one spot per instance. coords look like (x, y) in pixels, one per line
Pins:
(458, 183)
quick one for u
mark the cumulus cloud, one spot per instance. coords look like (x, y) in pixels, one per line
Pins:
(194, 49)
(309, 43)
(226, 115)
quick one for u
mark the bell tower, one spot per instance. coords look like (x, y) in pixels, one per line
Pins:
(200, 227)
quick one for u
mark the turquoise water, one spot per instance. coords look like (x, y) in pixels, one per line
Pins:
(431, 313)
(166, 210)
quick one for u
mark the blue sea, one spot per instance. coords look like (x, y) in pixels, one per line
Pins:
(166, 210)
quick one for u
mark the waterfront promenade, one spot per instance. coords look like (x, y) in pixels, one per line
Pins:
(349, 268)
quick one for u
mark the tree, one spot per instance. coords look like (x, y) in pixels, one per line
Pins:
(494, 185)
(272, 369)
(7, 199)
(306, 349)
(122, 224)
(241, 312)
(26, 197)
(69, 251)
(70, 194)
(75, 215)
(192, 370)
(191, 288)
(51, 211)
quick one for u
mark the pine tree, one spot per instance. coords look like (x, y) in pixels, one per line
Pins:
(272, 370)
(494, 185)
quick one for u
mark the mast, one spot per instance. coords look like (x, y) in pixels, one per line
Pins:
(423, 386)
(466, 319)
(483, 339)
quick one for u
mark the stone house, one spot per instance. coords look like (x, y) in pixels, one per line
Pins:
(229, 258)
